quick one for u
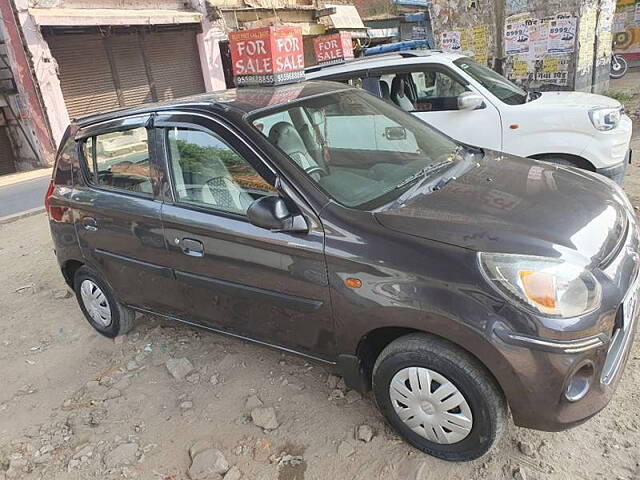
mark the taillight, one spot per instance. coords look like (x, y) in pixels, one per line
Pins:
(55, 213)
(47, 196)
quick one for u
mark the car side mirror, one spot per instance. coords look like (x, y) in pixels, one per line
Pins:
(470, 101)
(271, 213)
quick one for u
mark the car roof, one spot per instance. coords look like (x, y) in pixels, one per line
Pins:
(381, 60)
(240, 101)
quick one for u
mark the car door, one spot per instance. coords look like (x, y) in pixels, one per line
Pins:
(236, 277)
(117, 212)
(431, 93)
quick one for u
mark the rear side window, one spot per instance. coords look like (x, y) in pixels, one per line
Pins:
(120, 160)
(88, 153)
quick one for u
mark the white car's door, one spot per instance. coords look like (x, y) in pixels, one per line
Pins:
(431, 93)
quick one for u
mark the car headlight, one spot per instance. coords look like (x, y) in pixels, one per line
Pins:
(605, 118)
(545, 286)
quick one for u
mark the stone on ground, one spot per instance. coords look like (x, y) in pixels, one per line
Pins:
(208, 464)
(179, 368)
(265, 417)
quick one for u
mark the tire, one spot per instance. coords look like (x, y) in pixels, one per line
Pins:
(120, 319)
(622, 67)
(482, 400)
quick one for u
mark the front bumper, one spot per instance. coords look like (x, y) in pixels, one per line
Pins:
(547, 368)
(617, 172)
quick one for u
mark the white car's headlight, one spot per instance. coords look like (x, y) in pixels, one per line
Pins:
(546, 286)
(605, 118)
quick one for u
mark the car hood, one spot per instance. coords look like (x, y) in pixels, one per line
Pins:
(574, 100)
(510, 204)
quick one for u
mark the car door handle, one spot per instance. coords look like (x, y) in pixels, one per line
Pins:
(90, 224)
(191, 247)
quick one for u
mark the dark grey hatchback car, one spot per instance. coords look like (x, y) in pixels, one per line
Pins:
(456, 283)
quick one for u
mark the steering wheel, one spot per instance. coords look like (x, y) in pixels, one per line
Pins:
(316, 169)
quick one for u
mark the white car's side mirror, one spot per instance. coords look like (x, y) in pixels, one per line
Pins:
(470, 101)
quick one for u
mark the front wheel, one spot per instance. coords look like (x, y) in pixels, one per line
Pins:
(439, 398)
(619, 67)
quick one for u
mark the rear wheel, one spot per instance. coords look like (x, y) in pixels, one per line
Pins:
(438, 397)
(109, 317)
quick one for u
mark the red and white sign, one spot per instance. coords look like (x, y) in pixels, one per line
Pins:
(267, 56)
(335, 48)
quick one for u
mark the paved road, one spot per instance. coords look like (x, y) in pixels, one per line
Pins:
(23, 196)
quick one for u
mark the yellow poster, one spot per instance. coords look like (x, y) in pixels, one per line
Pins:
(550, 65)
(520, 69)
(480, 35)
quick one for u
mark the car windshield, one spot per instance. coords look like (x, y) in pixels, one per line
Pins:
(499, 86)
(360, 150)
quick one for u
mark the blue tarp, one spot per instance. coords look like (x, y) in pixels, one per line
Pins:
(396, 47)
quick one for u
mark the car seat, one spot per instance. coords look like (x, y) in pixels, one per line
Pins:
(398, 95)
(285, 136)
(385, 91)
(222, 192)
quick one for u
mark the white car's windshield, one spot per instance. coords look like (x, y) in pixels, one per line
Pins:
(360, 150)
(502, 88)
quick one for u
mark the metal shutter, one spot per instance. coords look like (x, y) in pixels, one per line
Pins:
(129, 62)
(173, 60)
(85, 74)
(125, 68)
(7, 164)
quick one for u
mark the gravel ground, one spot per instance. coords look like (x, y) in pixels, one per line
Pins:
(168, 402)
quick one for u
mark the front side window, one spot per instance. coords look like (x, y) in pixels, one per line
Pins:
(427, 90)
(208, 173)
(362, 151)
(120, 160)
(499, 86)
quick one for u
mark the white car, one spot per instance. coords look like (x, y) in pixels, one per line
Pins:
(477, 106)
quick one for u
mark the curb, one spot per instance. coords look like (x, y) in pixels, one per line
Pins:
(20, 177)
(21, 215)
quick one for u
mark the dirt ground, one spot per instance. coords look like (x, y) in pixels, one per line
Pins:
(74, 405)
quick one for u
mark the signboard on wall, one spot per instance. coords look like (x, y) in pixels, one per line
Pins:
(332, 49)
(267, 56)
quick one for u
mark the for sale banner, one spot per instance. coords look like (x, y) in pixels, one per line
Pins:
(267, 56)
(332, 49)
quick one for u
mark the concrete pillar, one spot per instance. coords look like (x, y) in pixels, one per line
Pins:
(210, 57)
(45, 69)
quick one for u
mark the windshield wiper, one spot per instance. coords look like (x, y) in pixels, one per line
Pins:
(424, 173)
